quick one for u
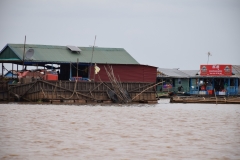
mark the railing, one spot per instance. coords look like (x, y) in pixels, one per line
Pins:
(79, 79)
(231, 90)
(173, 89)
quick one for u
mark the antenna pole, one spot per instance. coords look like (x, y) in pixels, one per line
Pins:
(209, 54)
(24, 53)
(92, 57)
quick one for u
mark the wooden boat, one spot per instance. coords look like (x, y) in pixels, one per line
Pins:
(202, 99)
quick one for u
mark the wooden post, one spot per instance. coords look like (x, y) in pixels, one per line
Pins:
(2, 70)
(33, 78)
(236, 86)
(12, 70)
(70, 72)
(17, 71)
(215, 96)
(44, 72)
(198, 85)
(77, 68)
(162, 86)
(24, 52)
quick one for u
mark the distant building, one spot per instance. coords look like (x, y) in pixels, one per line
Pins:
(219, 80)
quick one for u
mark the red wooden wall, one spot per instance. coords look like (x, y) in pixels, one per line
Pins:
(127, 73)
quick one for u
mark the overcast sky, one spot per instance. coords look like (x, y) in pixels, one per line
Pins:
(161, 33)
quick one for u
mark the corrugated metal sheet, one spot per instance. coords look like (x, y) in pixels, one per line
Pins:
(190, 73)
(61, 54)
(8, 54)
(236, 70)
(128, 73)
(173, 73)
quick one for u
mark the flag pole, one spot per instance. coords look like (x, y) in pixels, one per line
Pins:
(24, 53)
(91, 59)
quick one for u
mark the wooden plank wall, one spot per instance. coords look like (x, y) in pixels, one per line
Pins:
(3, 90)
(89, 91)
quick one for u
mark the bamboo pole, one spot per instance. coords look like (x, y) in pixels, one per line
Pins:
(156, 93)
(146, 89)
(117, 87)
(215, 95)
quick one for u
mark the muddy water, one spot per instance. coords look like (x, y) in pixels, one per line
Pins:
(162, 131)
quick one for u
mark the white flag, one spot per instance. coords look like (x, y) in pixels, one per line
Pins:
(97, 69)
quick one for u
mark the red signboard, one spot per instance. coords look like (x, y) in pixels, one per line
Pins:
(216, 70)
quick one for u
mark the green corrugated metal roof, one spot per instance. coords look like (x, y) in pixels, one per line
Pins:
(61, 54)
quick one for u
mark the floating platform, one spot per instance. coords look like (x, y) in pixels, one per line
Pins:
(74, 92)
(216, 100)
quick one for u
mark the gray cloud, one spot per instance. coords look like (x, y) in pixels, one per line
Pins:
(165, 33)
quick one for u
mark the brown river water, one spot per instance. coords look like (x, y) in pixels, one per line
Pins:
(142, 131)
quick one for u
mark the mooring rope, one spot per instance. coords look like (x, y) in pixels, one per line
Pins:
(74, 92)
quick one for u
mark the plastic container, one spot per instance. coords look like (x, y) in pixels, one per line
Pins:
(222, 93)
(53, 77)
(203, 92)
(210, 92)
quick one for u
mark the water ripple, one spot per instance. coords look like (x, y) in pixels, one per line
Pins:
(162, 131)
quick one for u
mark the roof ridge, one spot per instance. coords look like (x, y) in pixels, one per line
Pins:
(65, 46)
(61, 54)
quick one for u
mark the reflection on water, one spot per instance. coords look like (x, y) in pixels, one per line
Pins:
(162, 131)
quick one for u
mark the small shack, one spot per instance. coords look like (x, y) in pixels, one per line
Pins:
(174, 80)
(210, 80)
(215, 79)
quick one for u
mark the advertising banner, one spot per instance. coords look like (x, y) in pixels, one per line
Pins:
(216, 70)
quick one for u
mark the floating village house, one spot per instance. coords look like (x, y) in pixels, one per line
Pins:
(80, 64)
(209, 80)
(124, 65)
